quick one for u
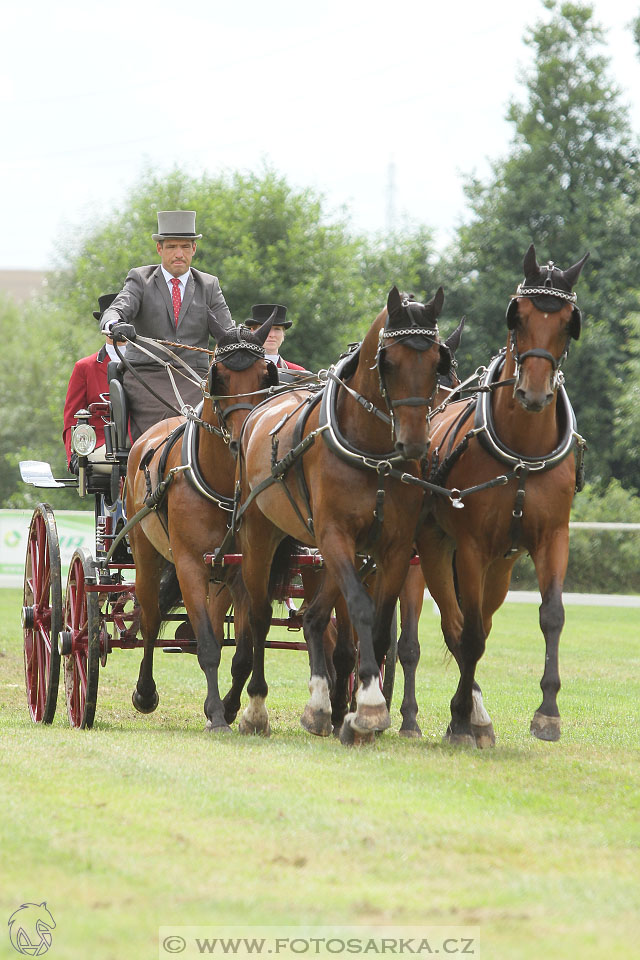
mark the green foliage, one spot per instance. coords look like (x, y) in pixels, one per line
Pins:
(34, 373)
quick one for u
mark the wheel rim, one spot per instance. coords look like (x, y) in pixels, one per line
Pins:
(42, 616)
(81, 666)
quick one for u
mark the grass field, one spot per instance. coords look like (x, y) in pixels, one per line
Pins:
(148, 821)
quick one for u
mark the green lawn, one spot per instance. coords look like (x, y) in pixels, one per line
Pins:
(148, 821)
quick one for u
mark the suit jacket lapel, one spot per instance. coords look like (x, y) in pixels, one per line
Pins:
(188, 296)
(164, 292)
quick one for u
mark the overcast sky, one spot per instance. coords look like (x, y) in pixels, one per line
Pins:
(379, 106)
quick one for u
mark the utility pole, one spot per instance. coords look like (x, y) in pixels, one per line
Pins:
(391, 197)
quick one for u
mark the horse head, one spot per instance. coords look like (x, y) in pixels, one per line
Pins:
(542, 317)
(239, 372)
(409, 358)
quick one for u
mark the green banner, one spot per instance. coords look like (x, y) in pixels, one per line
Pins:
(76, 528)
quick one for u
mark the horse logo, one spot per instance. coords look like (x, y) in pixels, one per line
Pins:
(30, 929)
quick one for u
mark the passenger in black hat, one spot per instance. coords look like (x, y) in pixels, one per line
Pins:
(261, 312)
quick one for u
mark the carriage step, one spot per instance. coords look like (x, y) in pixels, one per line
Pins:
(173, 650)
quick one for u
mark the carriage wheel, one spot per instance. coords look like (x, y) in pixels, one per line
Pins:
(42, 615)
(79, 641)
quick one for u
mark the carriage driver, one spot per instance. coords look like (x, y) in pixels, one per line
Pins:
(166, 301)
(261, 312)
(88, 384)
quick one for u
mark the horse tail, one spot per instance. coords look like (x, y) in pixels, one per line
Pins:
(454, 571)
(169, 593)
(281, 566)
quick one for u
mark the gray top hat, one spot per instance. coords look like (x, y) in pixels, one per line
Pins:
(176, 223)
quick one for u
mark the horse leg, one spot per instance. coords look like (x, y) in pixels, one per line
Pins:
(551, 565)
(194, 583)
(316, 717)
(471, 646)
(344, 661)
(411, 600)
(256, 566)
(149, 566)
(243, 654)
(371, 714)
(437, 559)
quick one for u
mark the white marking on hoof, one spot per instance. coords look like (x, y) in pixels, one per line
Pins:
(319, 700)
(350, 737)
(371, 695)
(255, 718)
(479, 716)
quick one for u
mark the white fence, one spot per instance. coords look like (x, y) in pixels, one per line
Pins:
(76, 529)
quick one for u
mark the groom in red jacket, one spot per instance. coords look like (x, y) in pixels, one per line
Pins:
(88, 384)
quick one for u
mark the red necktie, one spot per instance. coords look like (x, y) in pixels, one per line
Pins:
(175, 296)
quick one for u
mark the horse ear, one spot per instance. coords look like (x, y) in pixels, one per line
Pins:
(394, 301)
(571, 274)
(437, 302)
(453, 340)
(530, 263)
(217, 329)
(262, 332)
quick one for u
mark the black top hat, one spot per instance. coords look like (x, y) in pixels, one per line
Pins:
(262, 311)
(104, 302)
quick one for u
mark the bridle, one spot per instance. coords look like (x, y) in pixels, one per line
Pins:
(430, 334)
(223, 354)
(556, 362)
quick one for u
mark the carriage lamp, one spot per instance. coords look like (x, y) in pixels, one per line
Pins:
(83, 439)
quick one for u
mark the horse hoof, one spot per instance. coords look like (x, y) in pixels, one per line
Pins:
(545, 728)
(459, 739)
(370, 718)
(351, 737)
(253, 728)
(316, 722)
(217, 727)
(145, 704)
(410, 733)
(484, 735)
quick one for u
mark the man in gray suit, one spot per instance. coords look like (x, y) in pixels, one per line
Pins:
(166, 301)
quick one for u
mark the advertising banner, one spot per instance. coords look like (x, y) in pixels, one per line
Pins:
(75, 529)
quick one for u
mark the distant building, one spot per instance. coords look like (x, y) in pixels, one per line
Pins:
(22, 284)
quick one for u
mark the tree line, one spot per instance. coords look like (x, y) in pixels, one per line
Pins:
(570, 183)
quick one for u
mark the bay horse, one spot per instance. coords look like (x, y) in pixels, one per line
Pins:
(516, 450)
(328, 471)
(193, 517)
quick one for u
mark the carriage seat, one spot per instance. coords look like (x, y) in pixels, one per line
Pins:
(119, 412)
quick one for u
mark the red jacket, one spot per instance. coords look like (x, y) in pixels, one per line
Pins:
(287, 365)
(88, 380)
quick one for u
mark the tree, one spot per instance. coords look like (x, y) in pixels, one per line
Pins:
(570, 184)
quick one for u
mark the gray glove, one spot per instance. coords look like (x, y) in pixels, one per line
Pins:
(120, 332)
